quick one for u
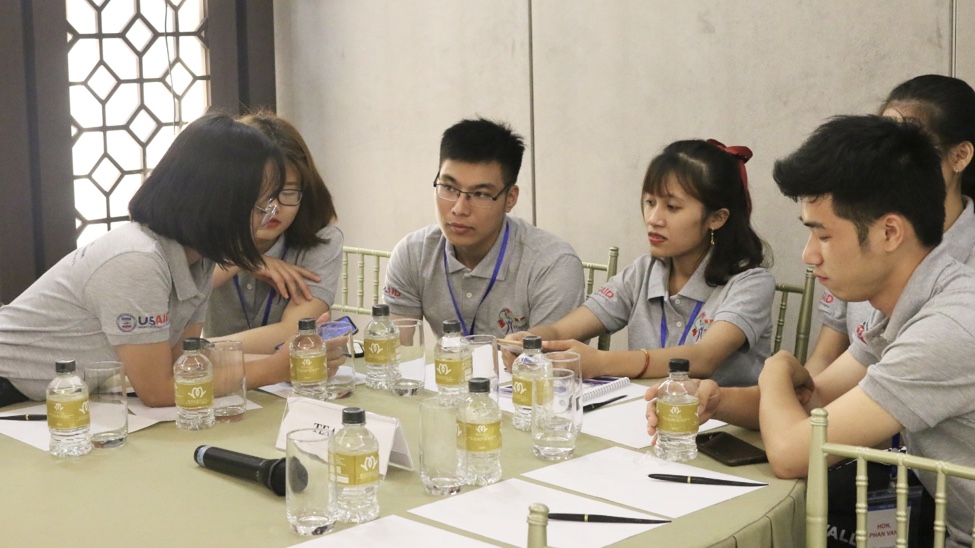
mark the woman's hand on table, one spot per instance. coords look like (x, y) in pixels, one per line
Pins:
(590, 359)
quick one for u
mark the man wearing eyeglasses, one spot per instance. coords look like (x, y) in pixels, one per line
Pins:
(495, 273)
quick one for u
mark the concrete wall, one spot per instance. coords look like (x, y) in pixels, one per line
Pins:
(597, 87)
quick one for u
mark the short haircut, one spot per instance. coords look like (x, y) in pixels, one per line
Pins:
(317, 209)
(713, 177)
(483, 141)
(870, 166)
(946, 107)
(203, 191)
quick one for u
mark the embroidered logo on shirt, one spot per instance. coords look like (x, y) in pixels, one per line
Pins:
(606, 292)
(828, 298)
(511, 324)
(391, 291)
(859, 331)
(128, 323)
(700, 327)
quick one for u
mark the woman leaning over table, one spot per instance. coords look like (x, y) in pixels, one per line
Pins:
(702, 293)
(135, 293)
(299, 243)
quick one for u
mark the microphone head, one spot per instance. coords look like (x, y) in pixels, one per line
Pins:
(297, 475)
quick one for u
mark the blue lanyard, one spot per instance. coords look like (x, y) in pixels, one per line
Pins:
(494, 277)
(270, 298)
(687, 328)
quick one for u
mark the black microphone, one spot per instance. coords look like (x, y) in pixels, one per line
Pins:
(267, 472)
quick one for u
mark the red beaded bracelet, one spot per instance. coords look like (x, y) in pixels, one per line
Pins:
(646, 363)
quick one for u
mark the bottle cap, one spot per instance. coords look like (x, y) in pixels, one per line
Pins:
(531, 342)
(353, 415)
(193, 343)
(306, 324)
(451, 326)
(380, 310)
(479, 385)
(679, 365)
(64, 366)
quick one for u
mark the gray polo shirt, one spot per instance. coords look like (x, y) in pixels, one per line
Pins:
(925, 377)
(852, 318)
(131, 286)
(540, 280)
(638, 297)
(226, 314)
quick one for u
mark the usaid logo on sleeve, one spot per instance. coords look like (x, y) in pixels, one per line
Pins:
(128, 323)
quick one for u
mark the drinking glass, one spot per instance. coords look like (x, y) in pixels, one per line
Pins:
(108, 404)
(439, 454)
(307, 490)
(338, 343)
(484, 354)
(406, 378)
(227, 358)
(556, 415)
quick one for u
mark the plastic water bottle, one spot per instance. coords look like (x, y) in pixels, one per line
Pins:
(677, 421)
(309, 364)
(479, 435)
(381, 350)
(530, 364)
(193, 384)
(453, 364)
(67, 412)
(353, 468)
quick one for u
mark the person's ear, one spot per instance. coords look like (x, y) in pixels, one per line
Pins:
(511, 198)
(896, 228)
(718, 218)
(960, 156)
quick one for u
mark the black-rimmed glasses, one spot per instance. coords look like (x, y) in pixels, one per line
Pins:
(476, 198)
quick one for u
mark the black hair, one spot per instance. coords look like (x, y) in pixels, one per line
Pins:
(713, 177)
(203, 191)
(870, 166)
(317, 209)
(483, 141)
(946, 107)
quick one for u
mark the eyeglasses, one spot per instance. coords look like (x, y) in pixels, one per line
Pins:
(289, 197)
(476, 198)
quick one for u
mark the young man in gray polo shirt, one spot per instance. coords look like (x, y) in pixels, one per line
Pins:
(872, 196)
(495, 273)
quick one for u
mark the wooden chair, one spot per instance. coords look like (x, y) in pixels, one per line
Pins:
(609, 268)
(816, 488)
(361, 256)
(804, 323)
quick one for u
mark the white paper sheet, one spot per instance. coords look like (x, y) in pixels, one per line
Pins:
(35, 433)
(620, 475)
(626, 424)
(500, 512)
(163, 414)
(394, 531)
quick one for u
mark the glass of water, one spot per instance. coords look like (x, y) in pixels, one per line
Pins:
(406, 377)
(556, 415)
(307, 491)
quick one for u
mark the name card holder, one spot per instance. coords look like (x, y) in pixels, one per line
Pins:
(326, 417)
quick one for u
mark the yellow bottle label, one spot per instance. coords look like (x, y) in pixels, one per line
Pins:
(68, 414)
(679, 418)
(196, 395)
(380, 351)
(353, 469)
(479, 438)
(308, 369)
(521, 391)
(453, 372)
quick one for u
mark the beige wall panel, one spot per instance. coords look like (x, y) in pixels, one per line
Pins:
(372, 85)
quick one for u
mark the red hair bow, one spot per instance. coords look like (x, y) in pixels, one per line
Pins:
(742, 154)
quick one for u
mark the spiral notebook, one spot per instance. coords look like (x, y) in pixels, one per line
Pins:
(591, 388)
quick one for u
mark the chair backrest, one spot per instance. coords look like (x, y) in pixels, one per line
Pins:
(363, 301)
(816, 488)
(590, 269)
(804, 323)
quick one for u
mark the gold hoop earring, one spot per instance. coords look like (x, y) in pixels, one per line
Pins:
(712, 238)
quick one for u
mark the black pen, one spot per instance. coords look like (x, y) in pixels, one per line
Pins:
(598, 518)
(24, 418)
(704, 481)
(593, 406)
